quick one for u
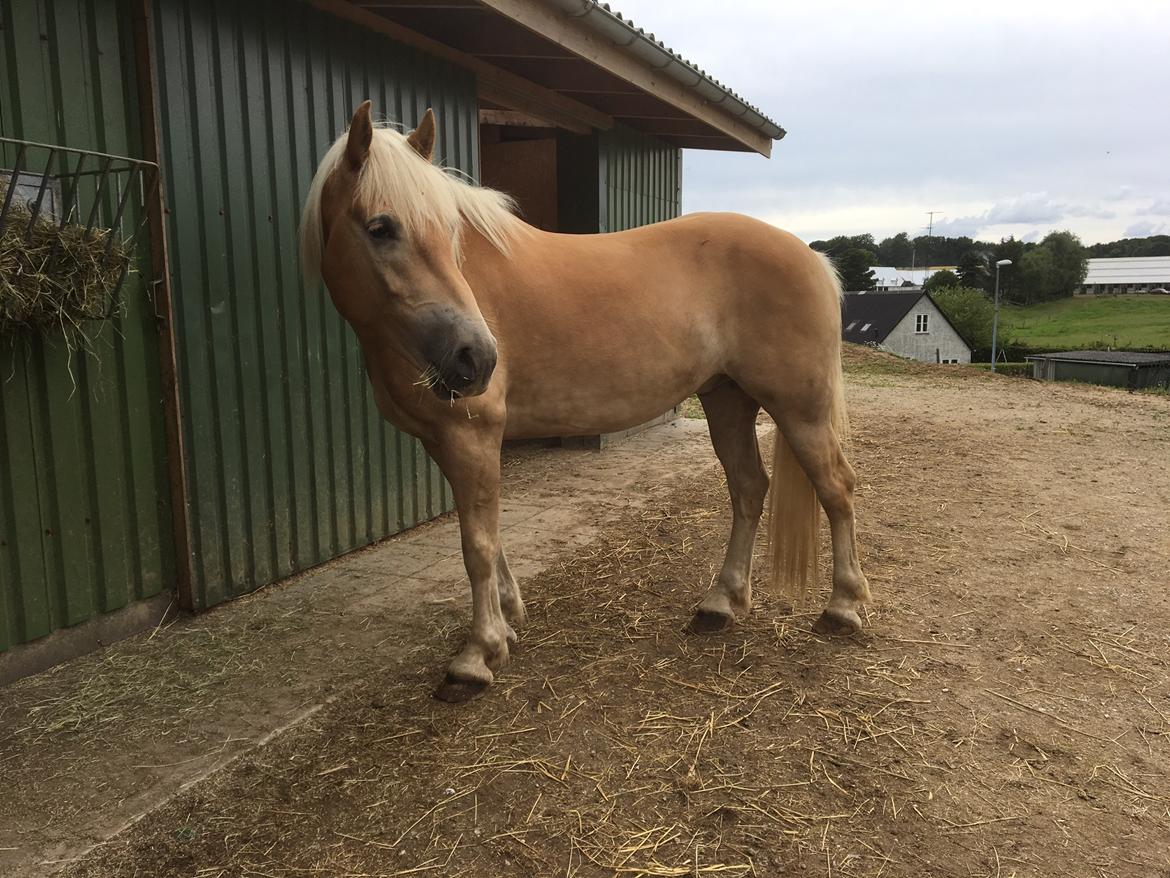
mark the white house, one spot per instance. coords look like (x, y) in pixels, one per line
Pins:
(909, 324)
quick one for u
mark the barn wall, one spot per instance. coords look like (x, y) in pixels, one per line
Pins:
(940, 342)
(288, 462)
(84, 503)
(640, 179)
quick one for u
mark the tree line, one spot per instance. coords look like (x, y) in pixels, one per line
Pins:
(1051, 268)
(1155, 245)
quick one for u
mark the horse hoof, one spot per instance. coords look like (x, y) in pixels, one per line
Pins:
(707, 622)
(455, 690)
(837, 622)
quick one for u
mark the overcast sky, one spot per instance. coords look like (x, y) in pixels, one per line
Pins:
(1008, 117)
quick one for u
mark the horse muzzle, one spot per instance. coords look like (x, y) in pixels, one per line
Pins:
(466, 371)
(461, 357)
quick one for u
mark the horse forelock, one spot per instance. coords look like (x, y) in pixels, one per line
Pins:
(417, 192)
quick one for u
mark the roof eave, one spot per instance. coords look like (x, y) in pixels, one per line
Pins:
(594, 32)
(658, 56)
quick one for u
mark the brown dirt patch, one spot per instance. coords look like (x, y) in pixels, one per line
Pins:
(1005, 712)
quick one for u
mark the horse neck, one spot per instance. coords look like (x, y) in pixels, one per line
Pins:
(488, 272)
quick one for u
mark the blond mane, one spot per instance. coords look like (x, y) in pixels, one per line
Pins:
(418, 193)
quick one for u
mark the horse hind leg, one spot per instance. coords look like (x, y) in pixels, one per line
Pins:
(731, 420)
(817, 449)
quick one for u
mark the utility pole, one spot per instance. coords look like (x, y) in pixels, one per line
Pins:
(929, 232)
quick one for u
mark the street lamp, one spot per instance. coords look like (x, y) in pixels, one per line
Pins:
(995, 322)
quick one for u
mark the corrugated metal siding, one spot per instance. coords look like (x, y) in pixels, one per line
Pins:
(289, 462)
(84, 521)
(641, 179)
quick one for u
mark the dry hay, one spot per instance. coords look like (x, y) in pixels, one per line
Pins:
(57, 276)
(618, 745)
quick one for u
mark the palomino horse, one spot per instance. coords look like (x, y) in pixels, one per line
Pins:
(477, 328)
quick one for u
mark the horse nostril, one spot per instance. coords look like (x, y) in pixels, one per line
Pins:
(465, 363)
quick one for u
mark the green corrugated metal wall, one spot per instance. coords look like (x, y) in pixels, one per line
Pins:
(288, 462)
(641, 179)
(84, 520)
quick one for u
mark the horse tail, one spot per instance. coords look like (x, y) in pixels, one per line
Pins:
(794, 527)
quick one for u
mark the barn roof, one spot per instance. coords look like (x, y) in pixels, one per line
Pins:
(1129, 270)
(586, 63)
(1133, 359)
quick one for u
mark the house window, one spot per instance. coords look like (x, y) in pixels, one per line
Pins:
(920, 323)
(866, 327)
(849, 328)
(950, 361)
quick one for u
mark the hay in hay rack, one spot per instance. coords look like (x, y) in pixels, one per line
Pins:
(69, 223)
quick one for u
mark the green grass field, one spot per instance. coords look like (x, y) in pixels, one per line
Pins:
(1082, 321)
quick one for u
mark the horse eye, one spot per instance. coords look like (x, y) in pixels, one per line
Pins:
(382, 228)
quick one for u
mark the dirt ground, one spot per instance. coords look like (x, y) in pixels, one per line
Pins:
(1006, 711)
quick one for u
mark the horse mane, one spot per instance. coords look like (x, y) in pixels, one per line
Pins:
(420, 194)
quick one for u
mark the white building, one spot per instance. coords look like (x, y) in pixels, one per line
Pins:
(1128, 274)
(886, 277)
(908, 324)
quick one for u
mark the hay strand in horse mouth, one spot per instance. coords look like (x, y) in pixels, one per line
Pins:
(53, 275)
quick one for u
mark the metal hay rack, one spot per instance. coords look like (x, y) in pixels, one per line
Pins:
(61, 208)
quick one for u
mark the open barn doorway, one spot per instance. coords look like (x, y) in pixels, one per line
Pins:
(552, 173)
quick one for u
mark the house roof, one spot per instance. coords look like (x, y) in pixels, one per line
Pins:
(1133, 359)
(1129, 270)
(870, 317)
(588, 56)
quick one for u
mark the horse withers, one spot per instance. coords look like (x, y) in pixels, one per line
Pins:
(477, 328)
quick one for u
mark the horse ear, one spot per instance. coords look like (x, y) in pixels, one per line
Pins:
(422, 138)
(361, 133)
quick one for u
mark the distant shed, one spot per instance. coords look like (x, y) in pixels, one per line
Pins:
(1129, 369)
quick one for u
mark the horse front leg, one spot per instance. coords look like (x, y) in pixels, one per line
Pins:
(470, 460)
(511, 600)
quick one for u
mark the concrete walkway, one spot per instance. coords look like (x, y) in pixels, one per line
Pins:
(95, 745)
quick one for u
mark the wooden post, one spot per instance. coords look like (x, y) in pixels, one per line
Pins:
(164, 310)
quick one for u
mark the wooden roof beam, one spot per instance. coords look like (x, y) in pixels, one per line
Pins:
(496, 85)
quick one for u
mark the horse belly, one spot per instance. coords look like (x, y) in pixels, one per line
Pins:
(600, 389)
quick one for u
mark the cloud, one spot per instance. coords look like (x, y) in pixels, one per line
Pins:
(960, 226)
(1016, 140)
(1160, 207)
(1036, 207)
(1145, 228)
(1095, 212)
